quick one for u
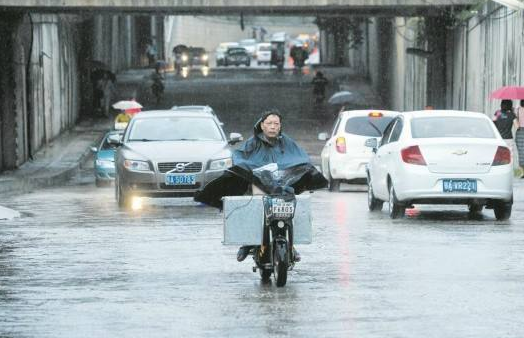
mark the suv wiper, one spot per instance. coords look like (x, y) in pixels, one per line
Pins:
(141, 140)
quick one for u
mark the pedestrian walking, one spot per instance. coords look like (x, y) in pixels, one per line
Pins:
(504, 120)
(151, 52)
(519, 136)
(106, 89)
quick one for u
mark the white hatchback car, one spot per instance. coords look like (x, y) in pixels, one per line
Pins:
(441, 157)
(344, 156)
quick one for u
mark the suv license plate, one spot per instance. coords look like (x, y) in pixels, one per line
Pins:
(180, 179)
(459, 185)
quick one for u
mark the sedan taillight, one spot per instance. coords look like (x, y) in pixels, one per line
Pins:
(412, 155)
(341, 145)
(502, 156)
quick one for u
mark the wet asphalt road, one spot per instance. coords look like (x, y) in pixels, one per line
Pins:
(77, 266)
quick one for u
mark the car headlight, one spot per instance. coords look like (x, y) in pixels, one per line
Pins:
(223, 163)
(136, 165)
(204, 57)
(105, 164)
(184, 57)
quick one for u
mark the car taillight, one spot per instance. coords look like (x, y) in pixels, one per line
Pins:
(412, 155)
(502, 156)
(341, 145)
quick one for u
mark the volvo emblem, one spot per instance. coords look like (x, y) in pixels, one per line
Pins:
(180, 167)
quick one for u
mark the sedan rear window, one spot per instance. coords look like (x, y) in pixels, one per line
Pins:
(363, 125)
(451, 126)
(175, 129)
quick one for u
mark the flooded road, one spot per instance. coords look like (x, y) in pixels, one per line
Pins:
(75, 266)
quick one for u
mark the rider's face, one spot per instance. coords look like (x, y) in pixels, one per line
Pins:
(271, 126)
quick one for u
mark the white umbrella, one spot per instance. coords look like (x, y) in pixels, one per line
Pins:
(125, 105)
(345, 97)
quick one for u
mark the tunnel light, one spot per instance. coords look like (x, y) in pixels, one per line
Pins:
(511, 4)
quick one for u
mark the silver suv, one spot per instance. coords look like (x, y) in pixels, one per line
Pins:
(170, 153)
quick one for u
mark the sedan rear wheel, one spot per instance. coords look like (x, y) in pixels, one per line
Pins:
(374, 204)
(395, 209)
(334, 184)
(502, 210)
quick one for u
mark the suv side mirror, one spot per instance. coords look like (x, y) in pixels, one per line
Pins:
(94, 150)
(115, 139)
(372, 143)
(235, 138)
(322, 136)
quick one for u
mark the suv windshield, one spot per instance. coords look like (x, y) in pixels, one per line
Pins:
(175, 129)
(361, 125)
(451, 126)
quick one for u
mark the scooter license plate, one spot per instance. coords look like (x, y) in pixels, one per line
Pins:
(285, 209)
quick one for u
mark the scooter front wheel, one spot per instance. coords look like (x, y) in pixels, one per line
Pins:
(280, 263)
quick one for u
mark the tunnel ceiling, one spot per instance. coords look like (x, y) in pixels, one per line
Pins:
(254, 7)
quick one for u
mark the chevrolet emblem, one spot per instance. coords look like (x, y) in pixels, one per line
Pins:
(460, 152)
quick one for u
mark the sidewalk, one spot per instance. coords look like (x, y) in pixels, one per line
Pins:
(58, 161)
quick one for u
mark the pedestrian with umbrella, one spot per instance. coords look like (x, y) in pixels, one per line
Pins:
(128, 108)
(505, 119)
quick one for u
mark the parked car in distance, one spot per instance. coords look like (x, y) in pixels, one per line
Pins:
(198, 57)
(220, 51)
(345, 155)
(237, 56)
(104, 160)
(169, 153)
(263, 53)
(250, 45)
(441, 157)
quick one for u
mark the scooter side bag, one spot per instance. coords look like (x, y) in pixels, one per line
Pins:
(244, 217)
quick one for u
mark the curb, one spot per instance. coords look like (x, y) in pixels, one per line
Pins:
(28, 184)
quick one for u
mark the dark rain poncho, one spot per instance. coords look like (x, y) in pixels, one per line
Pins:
(256, 152)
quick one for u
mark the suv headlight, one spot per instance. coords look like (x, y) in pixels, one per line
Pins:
(184, 57)
(136, 165)
(204, 57)
(223, 163)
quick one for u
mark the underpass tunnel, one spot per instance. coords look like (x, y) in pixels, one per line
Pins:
(50, 78)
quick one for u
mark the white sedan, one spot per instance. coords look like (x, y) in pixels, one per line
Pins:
(344, 156)
(441, 157)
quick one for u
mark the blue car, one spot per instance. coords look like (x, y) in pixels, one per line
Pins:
(104, 160)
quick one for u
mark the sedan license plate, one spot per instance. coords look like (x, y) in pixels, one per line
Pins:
(459, 185)
(285, 209)
(180, 179)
